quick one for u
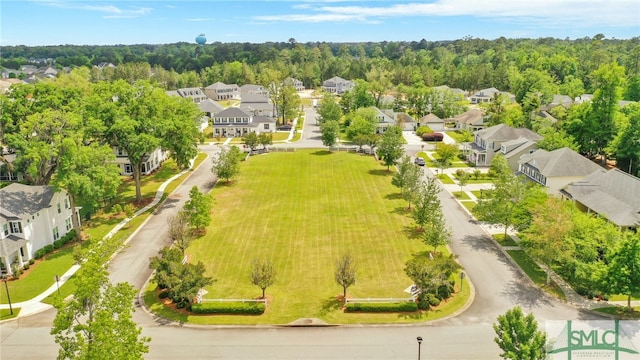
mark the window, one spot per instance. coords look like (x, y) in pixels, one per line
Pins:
(128, 169)
(59, 208)
(68, 223)
(5, 229)
(16, 227)
(66, 203)
(266, 126)
(56, 234)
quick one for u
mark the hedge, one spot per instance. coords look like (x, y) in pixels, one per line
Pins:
(67, 238)
(382, 307)
(233, 308)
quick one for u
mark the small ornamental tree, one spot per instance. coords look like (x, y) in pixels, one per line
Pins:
(518, 336)
(624, 269)
(345, 274)
(390, 148)
(426, 203)
(262, 274)
(179, 232)
(330, 130)
(198, 209)
(251, 140)
(227, 165)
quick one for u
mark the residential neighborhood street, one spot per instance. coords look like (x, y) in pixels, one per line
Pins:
(498, 286)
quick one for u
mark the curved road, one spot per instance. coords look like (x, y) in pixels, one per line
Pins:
(498, 287)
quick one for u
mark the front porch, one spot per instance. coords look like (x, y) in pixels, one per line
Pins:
(14, 251)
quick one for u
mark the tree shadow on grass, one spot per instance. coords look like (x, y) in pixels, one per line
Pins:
(412, 232)
(393, 196)
(414, 315)
(402, 210)
(331, 304)
(321, 152)
(380, 172)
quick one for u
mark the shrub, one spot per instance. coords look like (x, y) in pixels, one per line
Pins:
(432, 136)
(423, 129)
(116, 209)
(382, 307)
(40, 253)
(32, 261)
(17, 271)
(432, 300)
(49, 248)
(58, 243)
(233, 308)
(26, 266)
(129, 210)
(423, 303)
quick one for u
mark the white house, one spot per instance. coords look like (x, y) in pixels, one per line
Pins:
(220, 91)
(31, 217)
(337, 85)
(150, 161)
(234, 122)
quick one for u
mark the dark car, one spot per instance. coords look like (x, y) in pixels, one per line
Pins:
(419, 161)
(284, 128)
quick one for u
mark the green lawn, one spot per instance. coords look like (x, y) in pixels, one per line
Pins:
(508, 241)
(535, 273)
(469, 204)
(622, 312)
(461, 195)
(5, 314)
(297, 210)
(445, 179)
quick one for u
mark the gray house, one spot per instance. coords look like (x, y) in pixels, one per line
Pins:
(337, 85)
(505, 140)
(613, 194)
(234, 122)
(555, 169)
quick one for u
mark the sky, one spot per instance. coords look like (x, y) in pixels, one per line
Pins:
(76, 22)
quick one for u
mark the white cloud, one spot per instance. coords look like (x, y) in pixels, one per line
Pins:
(109, 11)
(576, 12)
(199, 19)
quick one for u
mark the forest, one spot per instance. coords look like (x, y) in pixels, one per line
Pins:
(533, 70)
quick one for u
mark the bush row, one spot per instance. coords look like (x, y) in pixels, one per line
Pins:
(69, 237)
(434, 136)
(382, 307)
(246, 308)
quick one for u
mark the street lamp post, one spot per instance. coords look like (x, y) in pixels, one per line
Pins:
(419, 338)
(58, 284)
(4, 277)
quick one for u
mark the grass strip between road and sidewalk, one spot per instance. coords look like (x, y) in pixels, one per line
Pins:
(535, 273)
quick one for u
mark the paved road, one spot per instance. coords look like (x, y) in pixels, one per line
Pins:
(498, 287)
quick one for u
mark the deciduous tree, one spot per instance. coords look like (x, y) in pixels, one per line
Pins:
(227, 164)
(345, 273)
(330, 130)
(623, 275)
(518, 336)
(263, 274)
(390, 148)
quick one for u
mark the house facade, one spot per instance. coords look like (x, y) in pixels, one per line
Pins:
(612, 194)
(234, 122)
(220, 91)
(486, 95)
(195, 94)
(470, 120)
(432, 121)
(31, 217)
(150, 162)
(512, 143)
(555, 169)
(337, 85)
(295, 83)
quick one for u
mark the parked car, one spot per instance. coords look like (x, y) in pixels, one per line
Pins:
(284, 128)
(419, 161)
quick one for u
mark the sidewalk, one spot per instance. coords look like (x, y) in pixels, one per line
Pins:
(571, 295)
(35, 305)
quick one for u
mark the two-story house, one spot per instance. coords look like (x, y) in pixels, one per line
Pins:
(31, 217)
(150, 162)
(234, 122)
(612, 194)
(503, 139)
(337, 85)
(220, 91)
(195, 94)
(295, 83)
(486, 95)
(555, 169)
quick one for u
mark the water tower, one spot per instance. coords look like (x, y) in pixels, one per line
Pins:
(201, 40)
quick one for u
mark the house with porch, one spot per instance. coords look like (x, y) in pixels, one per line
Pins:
(512, 143)
(235, 122)
(486, 95)
(31, 217)
(555, 169)
(612, 194)
(150, 161)
(337, 85)
(220, 91)
(295, 83)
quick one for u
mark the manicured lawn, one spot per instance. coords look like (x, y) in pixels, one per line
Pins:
(622, 312)
(5, 314)
(535, 273)
(461, 195)
(40, 276)
(469, 204)
(445, 179)
(508, 241)
(297, 210)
